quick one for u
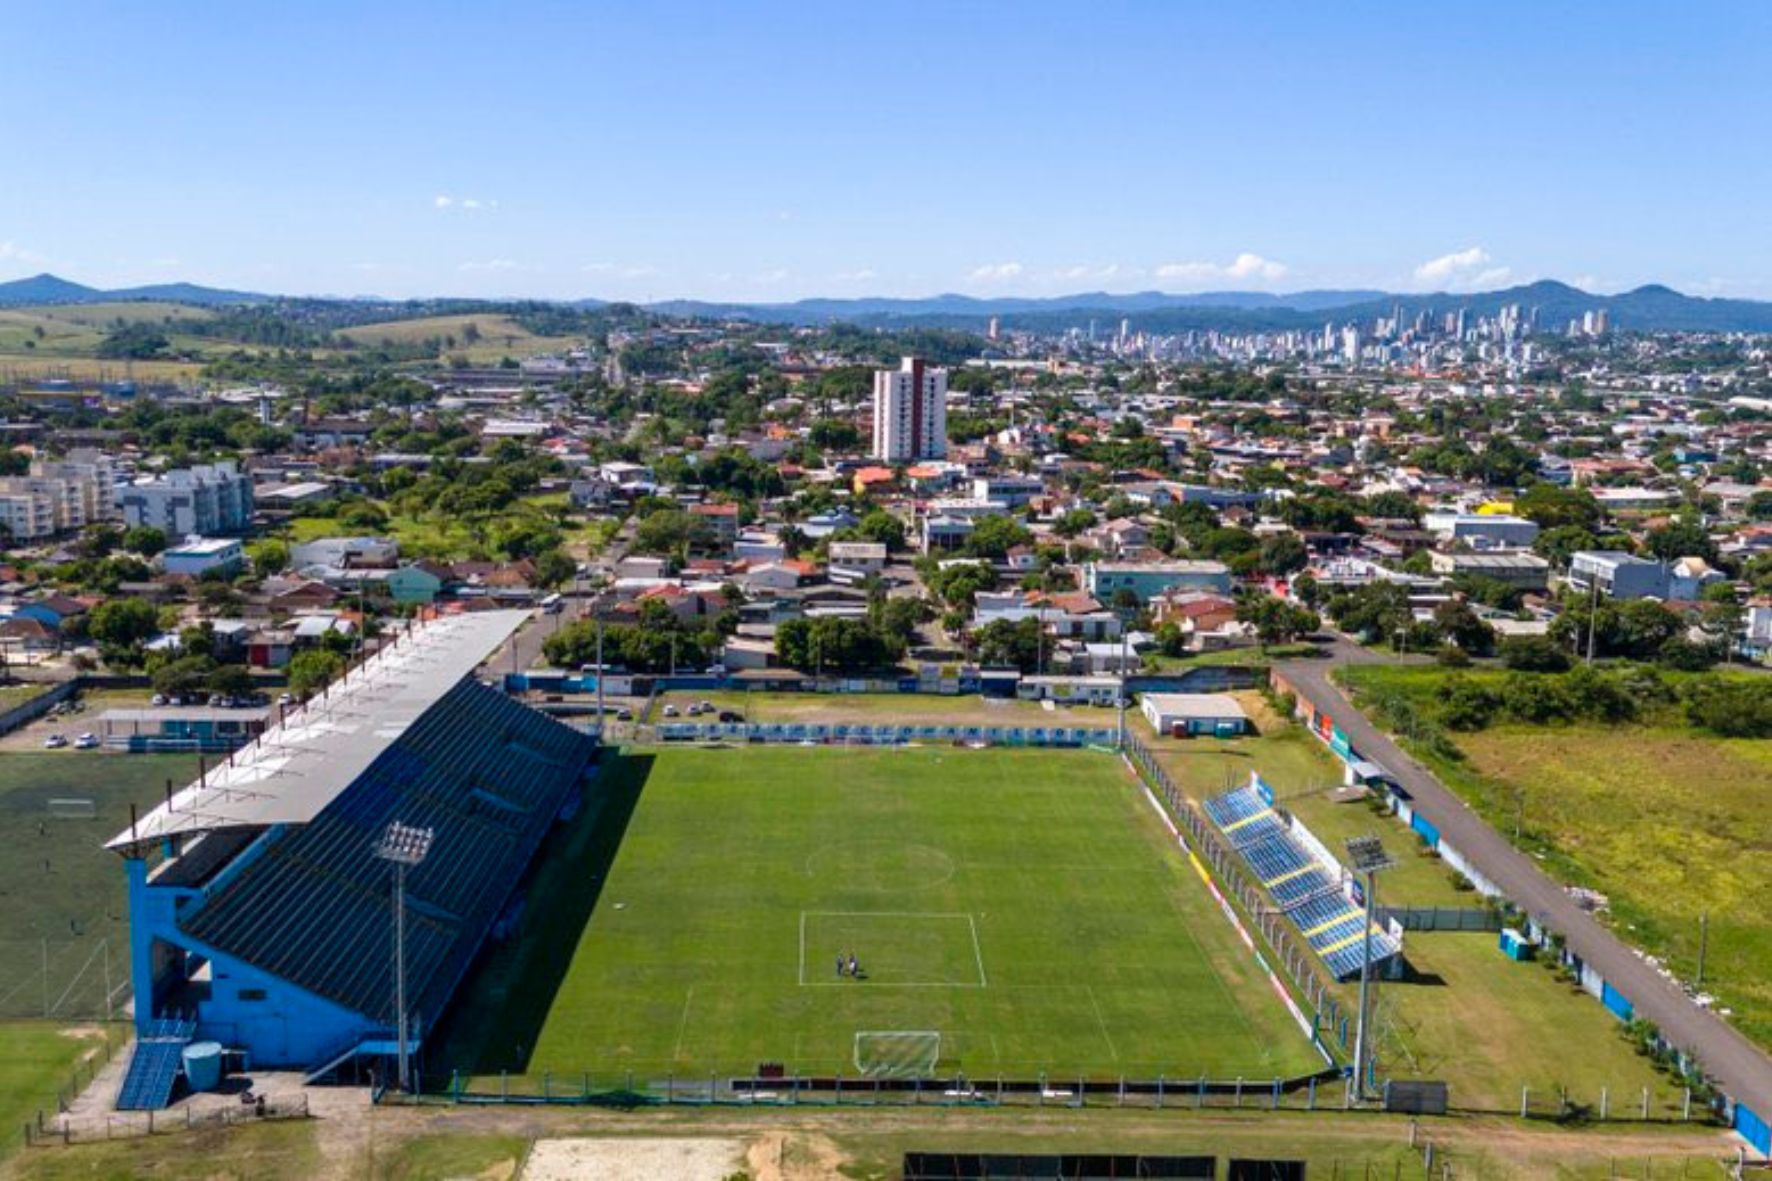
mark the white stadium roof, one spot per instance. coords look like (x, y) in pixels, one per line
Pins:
(296, 768)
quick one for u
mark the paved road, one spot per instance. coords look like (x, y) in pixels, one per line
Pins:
(1744, 1070)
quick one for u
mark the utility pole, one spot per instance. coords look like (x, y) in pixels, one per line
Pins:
(1593, 612)
(1123, 690)
(404, 846)
(1368, 856)
(1703, 944)
(601, 720)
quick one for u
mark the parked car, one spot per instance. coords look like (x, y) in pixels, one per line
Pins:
(624, 714)
(54, 742)
(670, 711)
(727, 716)
(160, 699)
(86, 741)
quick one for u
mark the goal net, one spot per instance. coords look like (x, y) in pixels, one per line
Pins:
(897, 1053)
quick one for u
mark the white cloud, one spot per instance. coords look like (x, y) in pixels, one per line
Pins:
(620, 270)
(997, 272)
(1247, 267)
(464, 204)
(776, 275)
(11, 251)
(489, 265)
(857, 276)
(1103, 274)
(1471, 267)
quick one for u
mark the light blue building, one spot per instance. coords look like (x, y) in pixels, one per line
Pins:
(260, 915)
(1147, 580)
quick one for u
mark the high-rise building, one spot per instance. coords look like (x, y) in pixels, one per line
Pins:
(206, 499)
(995, 330)
(59, 496)
(910, 412)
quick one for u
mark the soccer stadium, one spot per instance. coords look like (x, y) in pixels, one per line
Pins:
(704, 912)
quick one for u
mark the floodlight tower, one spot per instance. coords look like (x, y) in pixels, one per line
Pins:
(405, 846)
(1369, 858)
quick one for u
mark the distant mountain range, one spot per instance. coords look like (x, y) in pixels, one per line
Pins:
(1652, 307)
(46, 289)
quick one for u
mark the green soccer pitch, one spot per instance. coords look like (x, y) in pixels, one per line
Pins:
(1028, 907)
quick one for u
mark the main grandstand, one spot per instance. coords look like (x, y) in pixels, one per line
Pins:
(260, 914)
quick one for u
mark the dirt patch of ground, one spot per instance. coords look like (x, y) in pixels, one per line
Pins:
(780, 1156)
(634, 1159)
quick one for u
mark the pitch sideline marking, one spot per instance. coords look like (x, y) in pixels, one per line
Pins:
(683, 1021)
(1101, 1024)
(977, 952)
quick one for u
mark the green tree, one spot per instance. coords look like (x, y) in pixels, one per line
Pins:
(1555, 507)
(269, 556)
(1534, 654)
(146, 540)
(1282, 553)
(994, 536)
(231, 680)
(312, 670)
(122, 623)
(184, 676)
(554, 568)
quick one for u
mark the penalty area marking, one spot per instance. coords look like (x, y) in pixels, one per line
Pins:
(971, 928)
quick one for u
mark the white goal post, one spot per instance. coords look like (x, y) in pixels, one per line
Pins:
(897, 1053)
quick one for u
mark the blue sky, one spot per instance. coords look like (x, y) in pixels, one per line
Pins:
(772, 151)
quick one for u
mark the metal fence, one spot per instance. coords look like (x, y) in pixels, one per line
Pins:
(1057, 1090)
(884, 734)
(1334, 1027)
(78, 979)
(1442, 918)
(65, 1129)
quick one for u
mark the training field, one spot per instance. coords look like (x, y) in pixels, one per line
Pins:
(1026, 906)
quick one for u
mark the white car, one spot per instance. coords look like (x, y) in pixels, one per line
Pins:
(54, 742)
(670, 711)
(86, 741)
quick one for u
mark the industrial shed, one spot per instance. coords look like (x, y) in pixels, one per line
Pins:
(1188, 715)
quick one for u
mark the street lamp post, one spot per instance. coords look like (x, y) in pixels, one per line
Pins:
(1368, 858)
(405, 846)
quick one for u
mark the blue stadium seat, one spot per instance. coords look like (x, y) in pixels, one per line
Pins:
(487, 774)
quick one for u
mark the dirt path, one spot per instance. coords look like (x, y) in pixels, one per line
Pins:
(786, 1144)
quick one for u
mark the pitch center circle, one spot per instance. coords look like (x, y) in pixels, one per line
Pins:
(881, 866)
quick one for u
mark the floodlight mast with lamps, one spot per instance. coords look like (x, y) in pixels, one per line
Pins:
(405, 846)
(1368, 857)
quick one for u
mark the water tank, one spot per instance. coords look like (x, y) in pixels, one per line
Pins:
(203, 1065)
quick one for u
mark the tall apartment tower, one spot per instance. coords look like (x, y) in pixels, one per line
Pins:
(910, 412)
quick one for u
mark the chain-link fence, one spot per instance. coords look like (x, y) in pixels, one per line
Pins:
(75, 979)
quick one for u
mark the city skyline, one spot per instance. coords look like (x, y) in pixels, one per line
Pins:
(751, 156)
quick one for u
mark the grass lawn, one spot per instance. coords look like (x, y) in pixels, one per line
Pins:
(1667, 821)
(1468, 1015)
(500, 336)
(874, 708)
(278, 1150)
(37, 1059)
(61, 891)
(11, 695)
(1025, 905)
